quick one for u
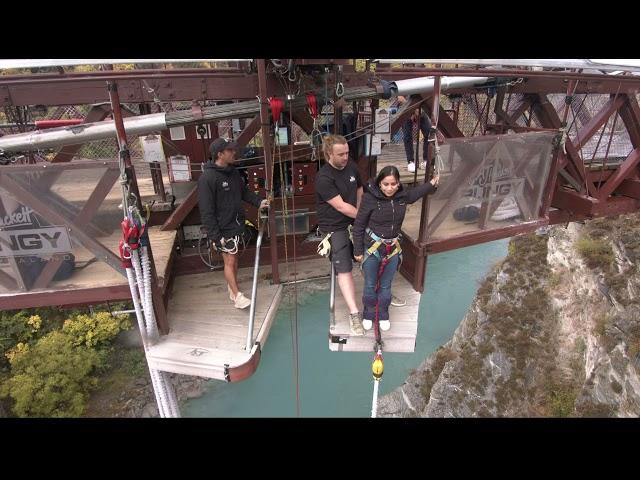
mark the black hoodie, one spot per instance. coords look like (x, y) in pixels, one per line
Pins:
(220, 194)
(384, 215)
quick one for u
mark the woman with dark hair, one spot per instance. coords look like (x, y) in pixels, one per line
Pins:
(376, 238)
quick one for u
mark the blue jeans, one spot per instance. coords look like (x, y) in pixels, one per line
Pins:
(407, 130)
(383, 296)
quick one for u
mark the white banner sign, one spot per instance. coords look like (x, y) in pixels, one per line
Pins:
(35, 241)
(152, 148)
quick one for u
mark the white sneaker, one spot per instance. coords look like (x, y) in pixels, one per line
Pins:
(242, 301)
(367, 324)
(411, 167)
(385, 325)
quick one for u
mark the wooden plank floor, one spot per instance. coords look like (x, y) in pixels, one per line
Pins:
(75, 186)
(404, 321)
(393, 154)
(206, 331)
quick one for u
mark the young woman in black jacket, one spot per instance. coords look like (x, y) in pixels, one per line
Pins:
(376, 239)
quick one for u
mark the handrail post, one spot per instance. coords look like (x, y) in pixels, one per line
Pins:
(254, 288)
(332, 298)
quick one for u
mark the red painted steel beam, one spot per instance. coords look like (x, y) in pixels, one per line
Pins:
(445, 122)
(303, 119)
(629, 188)
(143, 86)
(573, 202)
(598, 120)
(84, 296)
(599, 176)
(630, 114)
(549, 118)
(511, 120)
(615, 206)
(623, 171)
(474, 238)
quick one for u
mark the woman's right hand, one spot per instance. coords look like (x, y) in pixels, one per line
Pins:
(358, 258)
(435, 180)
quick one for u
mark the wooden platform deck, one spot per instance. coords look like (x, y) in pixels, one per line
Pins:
(404, 321)
(393, 154)
(208, 334)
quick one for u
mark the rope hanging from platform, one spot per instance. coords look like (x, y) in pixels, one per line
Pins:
(295, 341)
(134, 257)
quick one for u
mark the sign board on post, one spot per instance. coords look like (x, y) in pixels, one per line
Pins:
(382, 123)
(152, 148)
(179, 168)
(376, 144)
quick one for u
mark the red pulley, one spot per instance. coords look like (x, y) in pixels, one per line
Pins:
(277, 106)
(312, 102)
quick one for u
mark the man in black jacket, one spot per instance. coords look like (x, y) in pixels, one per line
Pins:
(221, 191)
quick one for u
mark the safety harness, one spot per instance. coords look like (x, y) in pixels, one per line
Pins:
(388, 242)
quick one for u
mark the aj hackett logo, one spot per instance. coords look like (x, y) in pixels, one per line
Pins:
(16, 242)
(500, 187)
(16, 219)
(34, 241)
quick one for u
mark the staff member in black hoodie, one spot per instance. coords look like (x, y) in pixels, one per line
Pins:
(221, 190)
(376, 234)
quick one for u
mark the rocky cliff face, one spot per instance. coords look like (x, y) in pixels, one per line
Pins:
(553, 331)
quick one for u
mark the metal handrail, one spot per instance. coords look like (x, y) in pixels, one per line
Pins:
(254, 287)
(332, 299)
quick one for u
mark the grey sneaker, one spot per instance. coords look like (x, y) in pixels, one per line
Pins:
(355, 319)
(397, 302)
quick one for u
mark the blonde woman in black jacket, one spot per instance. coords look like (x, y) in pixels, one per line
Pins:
(376, 241)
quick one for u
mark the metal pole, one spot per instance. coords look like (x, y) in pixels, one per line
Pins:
(125, 160)
(254, 290)
(268, 167)
(332, 298)
(424, 213)
(416, 157)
